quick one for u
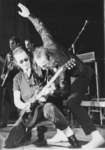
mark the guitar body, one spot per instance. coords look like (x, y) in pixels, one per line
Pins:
(30, 119)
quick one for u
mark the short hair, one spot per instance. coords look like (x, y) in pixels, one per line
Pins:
(15, 39)
(18, 50)
(30, 40)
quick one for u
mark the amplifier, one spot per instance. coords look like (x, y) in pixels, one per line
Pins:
(87, 57)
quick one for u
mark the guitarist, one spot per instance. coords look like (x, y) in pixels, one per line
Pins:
(26, 86)
(9, 65)
(9, 71)
(51, 56)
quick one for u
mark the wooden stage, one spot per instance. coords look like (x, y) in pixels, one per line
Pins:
(61, 144)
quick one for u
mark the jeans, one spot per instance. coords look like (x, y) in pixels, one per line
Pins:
(52, 113)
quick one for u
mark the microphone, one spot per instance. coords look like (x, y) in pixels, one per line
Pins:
(86, 22)
(77, 37)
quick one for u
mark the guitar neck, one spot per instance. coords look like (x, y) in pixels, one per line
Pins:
(6, 75)
(60, 70)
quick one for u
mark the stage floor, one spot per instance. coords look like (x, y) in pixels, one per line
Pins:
(61, 144)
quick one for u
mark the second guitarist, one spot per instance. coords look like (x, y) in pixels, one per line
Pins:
(8, 73)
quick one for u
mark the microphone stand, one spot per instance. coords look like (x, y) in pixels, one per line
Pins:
(77, 37)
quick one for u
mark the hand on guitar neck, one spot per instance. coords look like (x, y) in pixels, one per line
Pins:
(10, 66)
(4, 75)
(41, 96)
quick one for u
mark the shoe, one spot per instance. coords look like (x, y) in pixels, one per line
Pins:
(74, 142)
(3, 125)
(58, 137)
(41, 139)
(40, 142)
(96, 141)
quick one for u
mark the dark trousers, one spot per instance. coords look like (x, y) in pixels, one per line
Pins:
(78, 89)
(8, 110)
(47, 111)
(52, 113)
(4, 106)
(19, 135)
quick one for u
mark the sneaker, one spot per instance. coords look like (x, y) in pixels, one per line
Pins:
(97, 141)
(58, 137)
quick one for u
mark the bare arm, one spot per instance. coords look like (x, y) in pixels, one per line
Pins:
(38, 25)
(17, 101)
(40, 28)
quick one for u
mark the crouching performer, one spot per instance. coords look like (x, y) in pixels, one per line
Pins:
(34, 107)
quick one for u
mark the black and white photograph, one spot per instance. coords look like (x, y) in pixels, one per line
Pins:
(52, 74)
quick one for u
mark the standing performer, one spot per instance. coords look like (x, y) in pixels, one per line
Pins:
(51, 56)
(8, 73)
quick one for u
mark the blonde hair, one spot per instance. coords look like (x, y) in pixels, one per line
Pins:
(58, 54)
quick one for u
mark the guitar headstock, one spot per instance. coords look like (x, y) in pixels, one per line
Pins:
(70, 64)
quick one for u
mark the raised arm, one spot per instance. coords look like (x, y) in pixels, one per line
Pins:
(38, 25)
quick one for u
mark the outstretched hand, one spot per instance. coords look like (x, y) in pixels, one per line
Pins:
(24, 10)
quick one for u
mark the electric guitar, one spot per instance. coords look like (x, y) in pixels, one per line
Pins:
(68, 65)
(10, 67)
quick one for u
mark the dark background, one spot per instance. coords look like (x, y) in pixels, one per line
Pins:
(64, 19)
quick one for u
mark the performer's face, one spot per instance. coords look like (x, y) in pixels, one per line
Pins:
(43, 62)
(40, 58)
(12, 44)
(22, 60)
(28, 45)
(43, 59)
